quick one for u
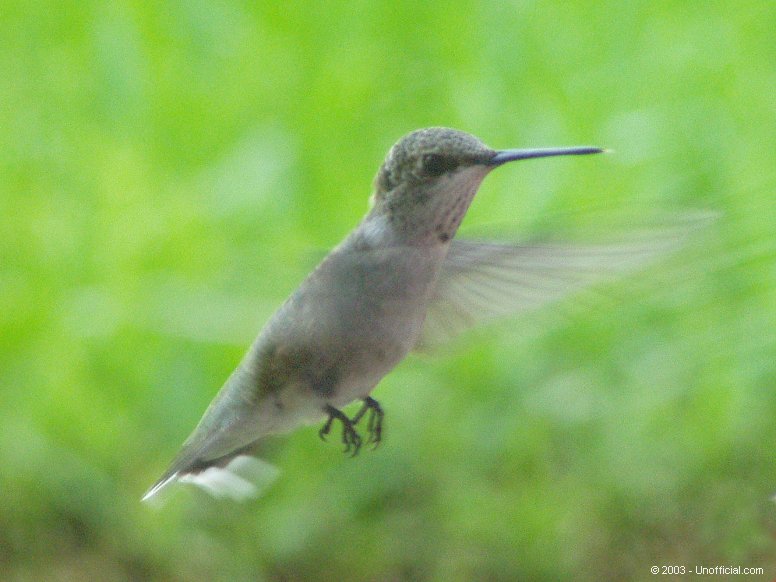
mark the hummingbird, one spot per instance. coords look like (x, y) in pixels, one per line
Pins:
(398, 282)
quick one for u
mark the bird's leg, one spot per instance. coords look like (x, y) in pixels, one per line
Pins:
(350, 437)
(326, 428)
(374, 425)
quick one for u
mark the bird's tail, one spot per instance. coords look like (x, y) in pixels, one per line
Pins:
(237, 476)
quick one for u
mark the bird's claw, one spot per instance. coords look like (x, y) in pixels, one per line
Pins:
(374, 425)
(326, 428)
(350, 437)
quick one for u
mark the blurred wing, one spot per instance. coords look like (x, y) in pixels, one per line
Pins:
(482, 281)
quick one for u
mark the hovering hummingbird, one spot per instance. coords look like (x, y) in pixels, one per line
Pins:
(396, 283)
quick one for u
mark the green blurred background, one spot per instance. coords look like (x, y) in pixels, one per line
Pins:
(170, 171)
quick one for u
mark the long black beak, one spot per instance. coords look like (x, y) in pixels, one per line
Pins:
(505, 156)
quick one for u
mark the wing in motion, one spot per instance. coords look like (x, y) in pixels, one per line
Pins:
(483, 281)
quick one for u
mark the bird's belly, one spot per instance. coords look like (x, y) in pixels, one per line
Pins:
(370, 344)
(347, 326)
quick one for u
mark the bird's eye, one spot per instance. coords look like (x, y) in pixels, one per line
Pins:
(436, 165)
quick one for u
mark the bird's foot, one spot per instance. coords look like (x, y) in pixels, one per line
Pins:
(374, 425)
(350, 438)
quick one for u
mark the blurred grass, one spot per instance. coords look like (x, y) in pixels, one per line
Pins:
(169, 172)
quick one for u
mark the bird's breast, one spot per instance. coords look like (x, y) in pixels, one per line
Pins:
(355, 317)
